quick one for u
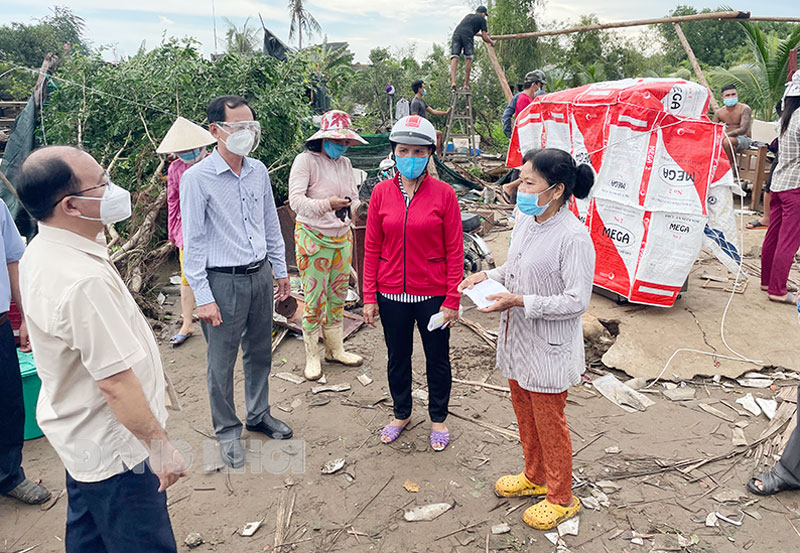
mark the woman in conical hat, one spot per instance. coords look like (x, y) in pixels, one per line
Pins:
(188, 142)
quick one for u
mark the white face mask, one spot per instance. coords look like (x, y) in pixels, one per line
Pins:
(115, 205)
(243, 138)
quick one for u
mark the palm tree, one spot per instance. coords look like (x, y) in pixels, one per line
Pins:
(243, 42)
(760, 83)
(301, 20)
(331, 63)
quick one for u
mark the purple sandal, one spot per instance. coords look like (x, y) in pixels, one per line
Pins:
(392, 432)
(439, 438)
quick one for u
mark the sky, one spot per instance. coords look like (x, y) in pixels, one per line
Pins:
(364, 24)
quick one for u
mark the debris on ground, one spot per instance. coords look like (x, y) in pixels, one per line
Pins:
(411, 487)
(251, 527)
(289, 377)
(569, 527)
(364, 379)
(331, 388)
(193, 540)
(427, 512)
(768, 406)
(621, 395)
(332, 466)
(749, 404)
(501, 528)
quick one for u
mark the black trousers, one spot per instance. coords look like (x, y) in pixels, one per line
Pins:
(398, 321)
(12, 412)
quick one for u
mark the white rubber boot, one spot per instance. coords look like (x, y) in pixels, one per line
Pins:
(333, 336)
(313, 370)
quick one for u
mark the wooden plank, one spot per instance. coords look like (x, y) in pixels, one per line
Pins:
(722, 15)
(759, 177)
(501, 76)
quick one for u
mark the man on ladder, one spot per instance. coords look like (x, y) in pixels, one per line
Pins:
(464, 41)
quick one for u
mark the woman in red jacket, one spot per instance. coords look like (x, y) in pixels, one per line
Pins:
(413, 264)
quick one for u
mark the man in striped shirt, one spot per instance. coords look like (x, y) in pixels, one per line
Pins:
(230, 231)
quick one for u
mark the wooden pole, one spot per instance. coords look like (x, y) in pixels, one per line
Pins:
(696, 66)
(501, 76)
(786, 19)
(637, 23)
(792, 64)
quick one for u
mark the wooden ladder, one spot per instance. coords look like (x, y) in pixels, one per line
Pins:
(460, 124)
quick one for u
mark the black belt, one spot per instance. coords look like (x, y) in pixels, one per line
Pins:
(241, 269)
(3, 318)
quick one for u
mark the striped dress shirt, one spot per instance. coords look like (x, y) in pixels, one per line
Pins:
(228, 220)
(551, 265)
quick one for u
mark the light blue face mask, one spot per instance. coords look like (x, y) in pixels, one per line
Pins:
(730, 102)
(190, 156)
(528, 203)
(334, 150)
(411, 167)
(424, 92)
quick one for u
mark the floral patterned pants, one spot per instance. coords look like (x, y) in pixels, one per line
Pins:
(324, 264)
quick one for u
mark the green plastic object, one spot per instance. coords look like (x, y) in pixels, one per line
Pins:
(30, 393)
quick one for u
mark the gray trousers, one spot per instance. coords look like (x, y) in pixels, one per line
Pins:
(788, 468)
(245, 302)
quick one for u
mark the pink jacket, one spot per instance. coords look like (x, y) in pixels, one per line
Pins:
(313, 179)
(174, 173)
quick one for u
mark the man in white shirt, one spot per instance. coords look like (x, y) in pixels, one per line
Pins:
(102, 401)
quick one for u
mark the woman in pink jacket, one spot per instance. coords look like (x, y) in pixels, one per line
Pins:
(413, 264)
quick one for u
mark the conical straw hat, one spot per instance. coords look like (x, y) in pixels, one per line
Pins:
(184, 135)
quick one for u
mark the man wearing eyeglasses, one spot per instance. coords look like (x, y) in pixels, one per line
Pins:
(102, 401)
(232, 239)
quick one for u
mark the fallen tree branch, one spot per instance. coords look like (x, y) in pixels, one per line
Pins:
(478, 329)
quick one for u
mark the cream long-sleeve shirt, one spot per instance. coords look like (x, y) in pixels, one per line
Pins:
(313, 179)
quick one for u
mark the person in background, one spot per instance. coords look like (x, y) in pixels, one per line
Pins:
(188, 142)
(230, 231)
(763, 221)
(413, 262)
(421, 108)
(549, 276)
(102, 400)
(534, 82)
(783, 234)
(464, 41)
(737, 117)
(324, 195)
(12, 409)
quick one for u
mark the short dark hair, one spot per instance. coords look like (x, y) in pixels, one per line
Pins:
(727, 87)
(215, 112)
(416, 85)
(314, 145)
(42, 183)
(558, 166)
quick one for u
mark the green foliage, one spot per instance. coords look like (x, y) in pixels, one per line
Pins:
(332, 65)
(711, 40)
(244, 42)
(760, 83)
(517, 56)
(128, 107)
(27, 44)
(301, 20)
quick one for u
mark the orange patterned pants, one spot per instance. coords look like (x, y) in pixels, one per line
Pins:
(545, 440)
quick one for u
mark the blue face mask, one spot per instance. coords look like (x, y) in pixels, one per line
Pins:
(190, 156)
(528, 203)
(730, 102)
(411, 167)
(424, 92)
(334, 150)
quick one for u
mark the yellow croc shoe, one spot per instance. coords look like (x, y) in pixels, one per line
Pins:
(517, 485)
(546, 516)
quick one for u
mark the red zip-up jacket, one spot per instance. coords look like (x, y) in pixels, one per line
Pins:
(419, 250)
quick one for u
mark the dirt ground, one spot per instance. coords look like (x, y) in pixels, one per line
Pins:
(360, 507)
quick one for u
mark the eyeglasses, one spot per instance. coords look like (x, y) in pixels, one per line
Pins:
(106, 180)
(234, 126)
